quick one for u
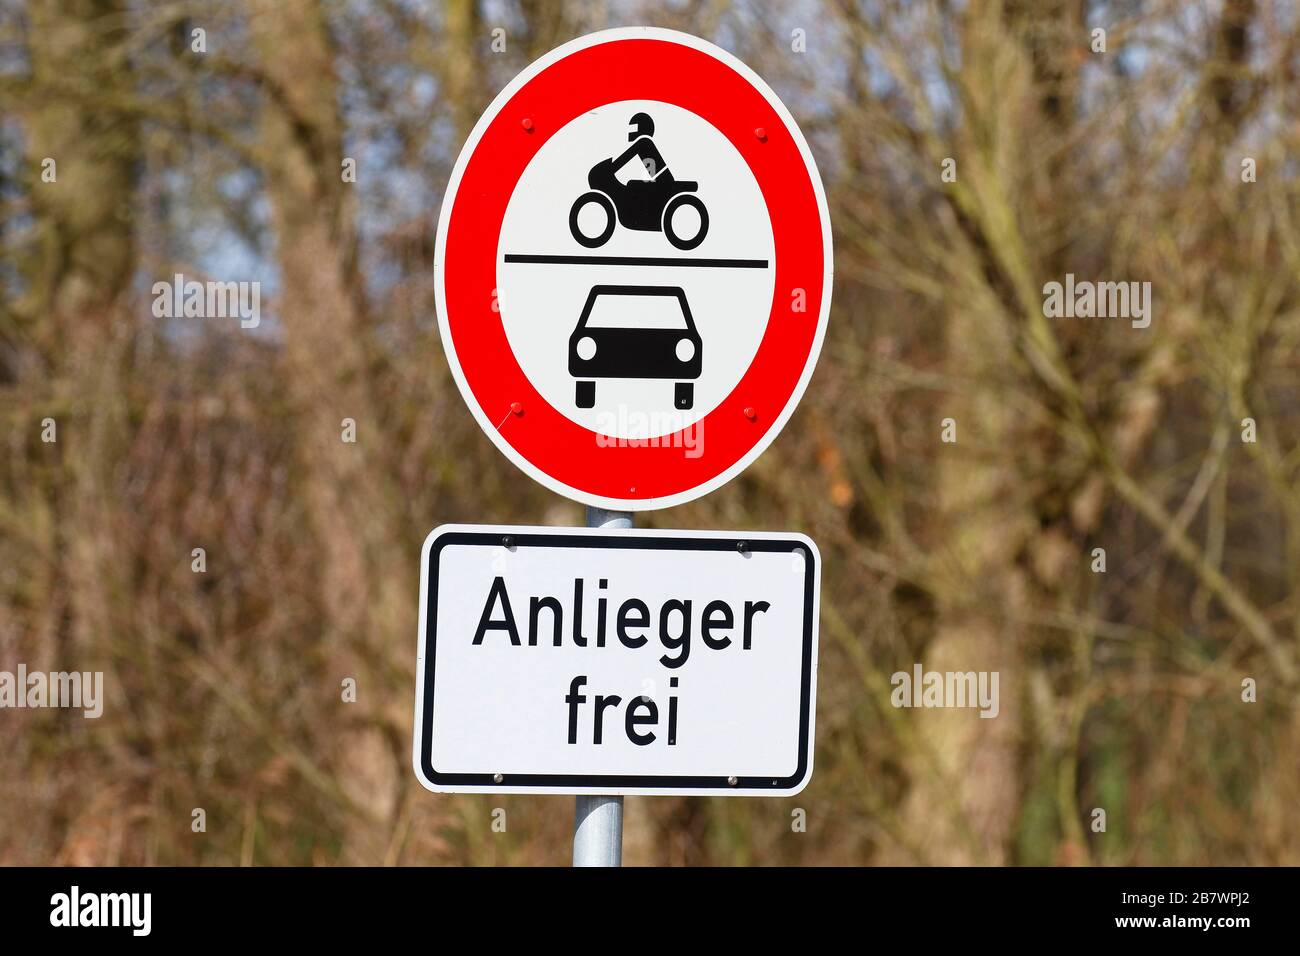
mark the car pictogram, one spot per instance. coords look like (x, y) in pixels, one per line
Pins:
(635, 331)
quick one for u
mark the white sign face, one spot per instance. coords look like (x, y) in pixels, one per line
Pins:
(567, 660)
(728, 300)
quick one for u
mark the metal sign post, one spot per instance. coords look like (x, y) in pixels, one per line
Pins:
(597, 818)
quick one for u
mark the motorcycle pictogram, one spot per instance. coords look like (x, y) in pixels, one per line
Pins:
(644, 205)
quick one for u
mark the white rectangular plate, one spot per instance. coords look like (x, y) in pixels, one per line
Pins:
(693, 669)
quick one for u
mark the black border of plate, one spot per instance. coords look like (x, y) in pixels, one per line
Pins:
(562, 783)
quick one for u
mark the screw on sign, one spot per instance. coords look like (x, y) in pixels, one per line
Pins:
(648, 222)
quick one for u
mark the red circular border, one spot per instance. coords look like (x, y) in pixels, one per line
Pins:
(630, 69)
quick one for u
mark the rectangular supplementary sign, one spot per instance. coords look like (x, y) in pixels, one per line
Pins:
(574, 660)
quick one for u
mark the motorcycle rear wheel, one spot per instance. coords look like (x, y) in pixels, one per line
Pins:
(605, 203)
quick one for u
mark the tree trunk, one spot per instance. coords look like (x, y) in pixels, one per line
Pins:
(76, 330)
(366, 575)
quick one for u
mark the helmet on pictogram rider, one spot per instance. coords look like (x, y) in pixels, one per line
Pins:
(641, 125)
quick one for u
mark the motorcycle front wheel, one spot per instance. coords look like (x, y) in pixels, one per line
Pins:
(606, 204)
(676, 203)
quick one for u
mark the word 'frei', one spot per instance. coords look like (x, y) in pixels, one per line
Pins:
(74, 689)
(626, 428)
(946, 689)
(75, 908)
(191, 299)
(1101, 300)
(675, 621)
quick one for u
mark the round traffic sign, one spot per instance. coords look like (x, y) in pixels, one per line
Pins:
(634, 268)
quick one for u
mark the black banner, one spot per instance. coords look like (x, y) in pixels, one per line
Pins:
(224, 906)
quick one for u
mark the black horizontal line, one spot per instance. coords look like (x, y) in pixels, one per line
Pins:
(638, 261)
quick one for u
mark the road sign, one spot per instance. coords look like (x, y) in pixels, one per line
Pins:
(634, 268)
(573, 660)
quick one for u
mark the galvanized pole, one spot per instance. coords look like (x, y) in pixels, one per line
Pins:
(598, 820)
